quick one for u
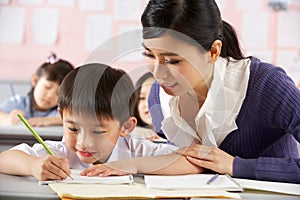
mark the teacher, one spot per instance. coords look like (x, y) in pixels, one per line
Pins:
(230, 114)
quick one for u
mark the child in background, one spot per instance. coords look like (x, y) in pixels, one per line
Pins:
(95, 102)
(141, 111)
(40, 105)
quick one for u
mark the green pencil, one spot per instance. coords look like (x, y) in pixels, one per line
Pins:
(36, 135)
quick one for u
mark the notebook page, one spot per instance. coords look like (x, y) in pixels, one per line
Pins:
(77, 178)
(191, 181)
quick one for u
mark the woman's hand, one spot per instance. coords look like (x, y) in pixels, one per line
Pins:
(102, 170)
(50, 168)
(211, 158)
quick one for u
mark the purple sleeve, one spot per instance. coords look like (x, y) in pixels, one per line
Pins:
(267, 168)
(276, 105)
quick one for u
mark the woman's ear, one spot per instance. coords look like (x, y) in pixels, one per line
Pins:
(34, 80)
(128, 126)
(215, 50)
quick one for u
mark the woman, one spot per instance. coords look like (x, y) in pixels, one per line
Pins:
(229, 113)
(246, 108)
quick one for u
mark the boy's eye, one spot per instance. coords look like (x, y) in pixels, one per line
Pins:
(142, 98)
(73, 129)
(147, 55)
(173, 62)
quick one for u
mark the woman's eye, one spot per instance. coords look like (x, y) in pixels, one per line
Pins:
(73, 129)
(147, 55)
(98, 132)
(142, 98)
(172, 62)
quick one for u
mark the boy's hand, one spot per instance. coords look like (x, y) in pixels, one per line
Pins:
(51, 168)
(102, 170)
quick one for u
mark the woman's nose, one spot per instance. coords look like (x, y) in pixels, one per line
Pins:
(160, 70)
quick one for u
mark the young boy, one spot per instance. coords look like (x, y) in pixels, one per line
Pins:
(95, 103)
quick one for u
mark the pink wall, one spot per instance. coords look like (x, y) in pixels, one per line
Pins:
(270, 35)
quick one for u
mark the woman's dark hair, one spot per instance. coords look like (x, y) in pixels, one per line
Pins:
(98, 91)
(138, 86)
(199, 20)
(53, 69)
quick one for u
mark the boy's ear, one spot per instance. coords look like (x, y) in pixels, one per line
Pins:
(128, 126)
(215, 50)
(34, 80)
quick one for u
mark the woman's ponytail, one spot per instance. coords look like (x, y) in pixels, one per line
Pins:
(230, 43)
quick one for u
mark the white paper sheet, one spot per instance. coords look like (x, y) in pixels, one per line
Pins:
(31, 2)
(12, 23)
(92, 5)
(285, 188)
(45, 26)
(61, 2)
(191, 181)
(4, 2)
(78, 179)
(127, 10)
(98, 30)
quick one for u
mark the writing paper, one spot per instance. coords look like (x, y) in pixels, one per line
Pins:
(137, 191)
(279, 187)
(191, 181)
(78, 179)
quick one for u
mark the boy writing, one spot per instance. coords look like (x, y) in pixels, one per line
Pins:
(95, 103)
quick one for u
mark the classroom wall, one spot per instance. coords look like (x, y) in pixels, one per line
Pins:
(30, 29)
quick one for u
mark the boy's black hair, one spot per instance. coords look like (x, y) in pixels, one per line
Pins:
(99, 91)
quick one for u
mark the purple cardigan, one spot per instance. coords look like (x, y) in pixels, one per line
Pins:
(264, 144)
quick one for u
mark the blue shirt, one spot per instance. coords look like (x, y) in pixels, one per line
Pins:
(23, 103)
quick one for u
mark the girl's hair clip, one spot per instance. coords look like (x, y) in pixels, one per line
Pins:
(52, 59)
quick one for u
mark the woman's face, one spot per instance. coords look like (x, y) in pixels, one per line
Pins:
(143, 101)
(178, 67)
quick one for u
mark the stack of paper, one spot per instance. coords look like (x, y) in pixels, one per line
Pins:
(126, 191)
(113, 187)
(279, 187)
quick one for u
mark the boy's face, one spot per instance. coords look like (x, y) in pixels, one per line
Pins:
(91, 140)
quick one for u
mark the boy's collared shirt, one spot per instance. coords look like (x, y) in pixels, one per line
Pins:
(126, 147)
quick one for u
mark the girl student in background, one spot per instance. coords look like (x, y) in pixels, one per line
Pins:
(230, 114)
(141, 112)
(40, 105)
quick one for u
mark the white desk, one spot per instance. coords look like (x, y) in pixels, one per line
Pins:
(13, 135)
(18, 187)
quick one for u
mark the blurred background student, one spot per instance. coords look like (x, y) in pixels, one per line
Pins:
(141, 112)
(39, 106)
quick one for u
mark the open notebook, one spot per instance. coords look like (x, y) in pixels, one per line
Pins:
(127, 191)
(192, 181)
(77, 178)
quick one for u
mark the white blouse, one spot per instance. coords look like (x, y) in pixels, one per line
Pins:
(216, 118)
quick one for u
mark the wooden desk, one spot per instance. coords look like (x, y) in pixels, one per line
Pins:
(18, 187)
(13, 135)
